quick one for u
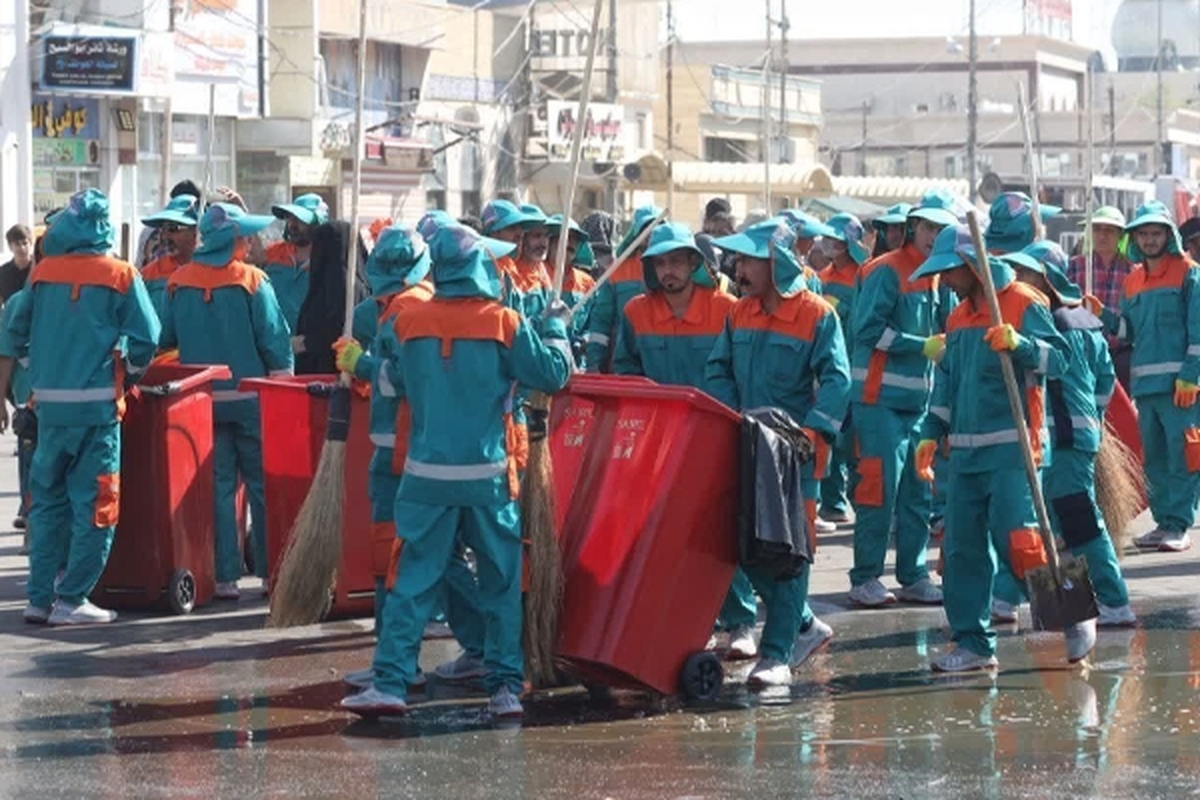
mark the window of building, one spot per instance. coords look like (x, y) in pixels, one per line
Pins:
(189, 145)
(729, 150)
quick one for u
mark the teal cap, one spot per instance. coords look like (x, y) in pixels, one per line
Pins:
(310, 209)
(83, 226)
(642, 217)
(805, 226)
(936, 206)
(1010, 222)
(182, 210)
(894, 215)
(220, 228)
(772, 240)
(1153, 213)
(500, 214)
(848, 230)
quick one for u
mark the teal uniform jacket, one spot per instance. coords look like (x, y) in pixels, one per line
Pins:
(1079, 397)
(652, 342)
(607, 305)
(289, 279)
(970, 403)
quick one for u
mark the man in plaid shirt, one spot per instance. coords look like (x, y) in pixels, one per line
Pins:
(1109, 269)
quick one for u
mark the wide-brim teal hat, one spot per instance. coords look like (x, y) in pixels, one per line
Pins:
(937, 206)
(555, 222)
(400, 258)
(220, 228)
(642, 217)
(535, 214)
(894, 215)
(772, 240)
(500, 214)
(309, 209)
(1153, 213)
(182, 210)
(849, 231)
(667, 238)
(804, 226)
(83, 226)
(462, 264)
(954, 247)
(1010, 222)
(1053, 261)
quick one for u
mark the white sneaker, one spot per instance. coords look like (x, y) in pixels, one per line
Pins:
(83, 614)
(504, 703)
(1150, 539)
(810, 641)
(359, 678)
(825, 526)
(374, 703)
(960, 659)
(227, 591)
(712, 642)
(35, 615)
(437, 630)
(922, 592)
(871, 594)
(769, 672)
(1116, 617)
(1003, 613)
(463, 668)
(1174, 542)
(741, 642)
(1080, 639)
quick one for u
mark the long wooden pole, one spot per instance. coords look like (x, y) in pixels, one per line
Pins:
(359, 146)
(1039, 231)
(1089, 203)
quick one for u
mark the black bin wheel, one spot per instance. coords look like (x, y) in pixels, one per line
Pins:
(181, 591)
(701, 677)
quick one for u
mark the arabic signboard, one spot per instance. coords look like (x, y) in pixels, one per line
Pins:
(603, 133)
(65, 117)
(106, 64)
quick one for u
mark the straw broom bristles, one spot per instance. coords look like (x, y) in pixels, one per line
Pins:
(543, 601)
(1120, 487)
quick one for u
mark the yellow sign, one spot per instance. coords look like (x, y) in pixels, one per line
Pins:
(55, 123)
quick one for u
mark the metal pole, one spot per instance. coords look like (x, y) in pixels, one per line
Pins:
(613, 91)
(972, 107)
(1089, 200)
(862, 152)
(360, 145)
(670, 105)
(1159, 160)
(783, 78)
(766, 118)
(1112, 128)
(212, 137)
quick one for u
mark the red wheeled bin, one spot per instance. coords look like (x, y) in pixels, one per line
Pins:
(648, 538)
(294, 411)
(162, 555)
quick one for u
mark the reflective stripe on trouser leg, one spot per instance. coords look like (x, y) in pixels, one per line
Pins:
(228, 559)
(740, 608)
(969, 563)
(1172, 488)
(785, 602)
(49, 513)
(92, 485)
(885, 487)
(250, 469)
(1072, 473)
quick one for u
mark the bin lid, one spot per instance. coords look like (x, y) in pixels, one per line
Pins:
(640, 388)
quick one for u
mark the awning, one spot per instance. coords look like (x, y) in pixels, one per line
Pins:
(825, 207)
(733, 178)
(887, 190)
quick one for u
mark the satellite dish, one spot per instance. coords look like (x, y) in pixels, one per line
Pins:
(990, 187)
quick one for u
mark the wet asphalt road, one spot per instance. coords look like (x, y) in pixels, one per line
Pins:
(213, 705)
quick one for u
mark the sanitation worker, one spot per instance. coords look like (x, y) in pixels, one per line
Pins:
(989, 508)
(220, 310)
(1010, 222)
(1077, 402)
(782, 347)
(176, 227)
(891, 228)
(455, 361)
(286, 262)
(626, 283)
(895, 329)
(89, 329)
(1160, 317)
(577, 280)
(505, 222)
(667, 335)
(839, 284)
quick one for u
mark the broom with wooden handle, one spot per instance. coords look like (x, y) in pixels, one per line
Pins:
(543, 601)
(309, 567)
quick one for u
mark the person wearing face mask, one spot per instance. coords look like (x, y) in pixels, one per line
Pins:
(220, 310)
(286, 262)
(1160, 317)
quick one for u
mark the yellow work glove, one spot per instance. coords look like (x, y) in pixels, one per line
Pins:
(926, 450)
(1002, 338)
(1185, 394)
(348, 352)
(1093, 304)
(833, 301)
(935, 347)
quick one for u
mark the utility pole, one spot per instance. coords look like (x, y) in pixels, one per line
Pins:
(784, 134)
(766, 118)
(613, 93)
(670, 105)
(1112, 128)
(972, 107)
(1159, 154)
(862, 152)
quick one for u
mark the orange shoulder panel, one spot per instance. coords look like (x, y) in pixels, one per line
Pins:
(204, 278)
(405, 299)
(842, 277)
(640, 311)
(578, 281)
(78, 271)
(797, 316)
(1140, 279)
(282, 253)
(630, 272)
(448, 319)
(160, 268)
